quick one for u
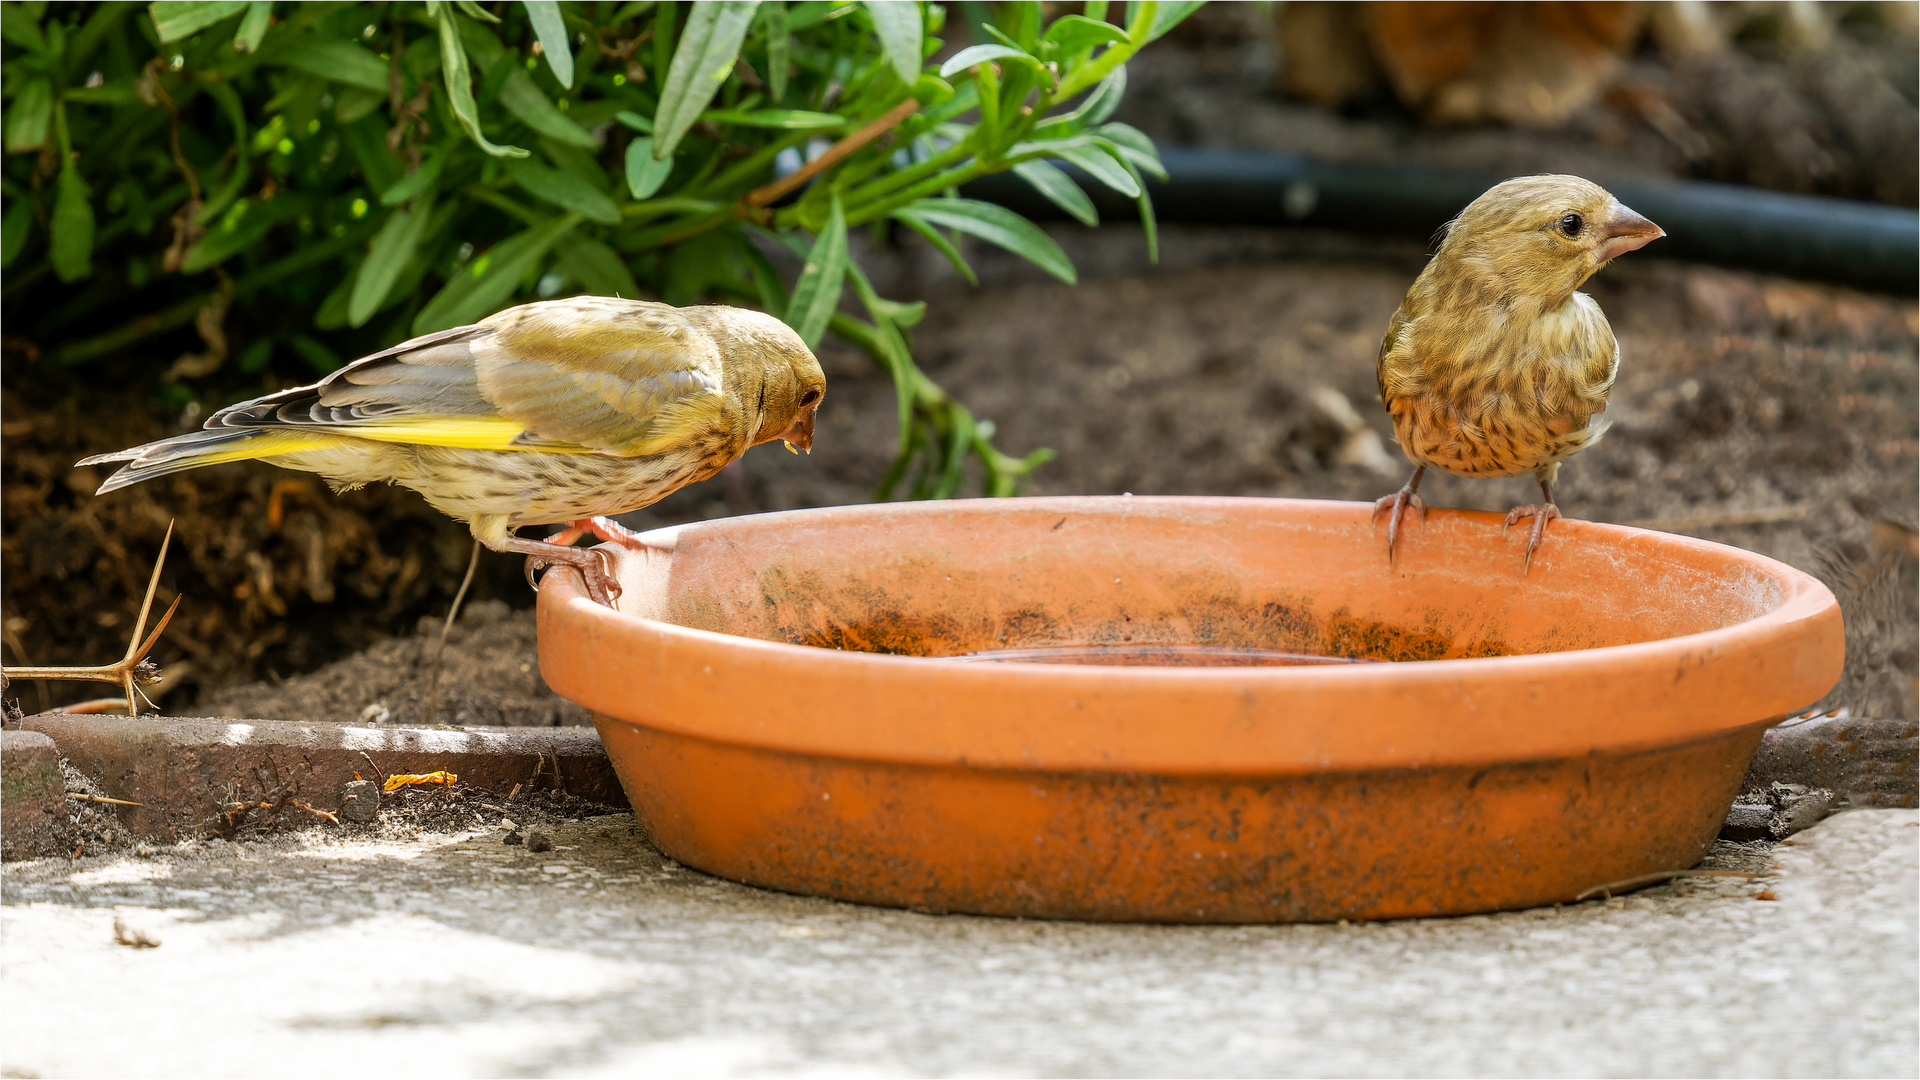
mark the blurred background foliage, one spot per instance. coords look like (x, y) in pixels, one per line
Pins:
(305, 183)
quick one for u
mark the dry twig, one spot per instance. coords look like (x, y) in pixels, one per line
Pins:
(103, 799)
(133, 670)
(316, 813)
(770, 193)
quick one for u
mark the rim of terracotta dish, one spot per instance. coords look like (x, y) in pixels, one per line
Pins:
(1225, 720)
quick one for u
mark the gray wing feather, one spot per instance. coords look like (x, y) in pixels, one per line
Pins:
(427, 376)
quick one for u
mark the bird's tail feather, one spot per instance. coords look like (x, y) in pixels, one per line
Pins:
(196, 448)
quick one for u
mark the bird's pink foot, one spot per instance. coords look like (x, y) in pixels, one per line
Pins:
(601, 528)
(1396, 505)
(595, 568)
(1541, 514)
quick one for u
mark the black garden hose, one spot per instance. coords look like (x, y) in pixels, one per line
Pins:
(1868, 245)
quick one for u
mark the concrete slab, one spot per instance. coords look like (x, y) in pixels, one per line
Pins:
(455, 955)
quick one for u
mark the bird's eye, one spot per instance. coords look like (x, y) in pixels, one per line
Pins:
(1570, 225)
(809, 398)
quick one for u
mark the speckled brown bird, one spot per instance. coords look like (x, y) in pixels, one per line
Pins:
(1495, 365)
(557, 412)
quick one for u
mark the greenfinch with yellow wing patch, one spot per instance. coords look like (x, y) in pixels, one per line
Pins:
(557, 412)
(1495, 365)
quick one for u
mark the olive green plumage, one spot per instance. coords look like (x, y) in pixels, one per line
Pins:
(551, 412)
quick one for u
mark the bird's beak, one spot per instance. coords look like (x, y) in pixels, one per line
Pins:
(1625, 231)
(800, 432)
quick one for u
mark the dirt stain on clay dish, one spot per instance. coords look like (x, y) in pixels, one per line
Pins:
(1208, 632)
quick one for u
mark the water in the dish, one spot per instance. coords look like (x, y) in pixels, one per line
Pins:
(1132, 655)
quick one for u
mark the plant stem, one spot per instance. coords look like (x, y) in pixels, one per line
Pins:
(919, 191)
(893, 181)
(1114, 55)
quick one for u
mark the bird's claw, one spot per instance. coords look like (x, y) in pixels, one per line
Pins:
(1541, 514)
(596, 571)
(1396, 505)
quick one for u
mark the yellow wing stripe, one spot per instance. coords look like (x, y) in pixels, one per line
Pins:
(267, 444)
(465, 432)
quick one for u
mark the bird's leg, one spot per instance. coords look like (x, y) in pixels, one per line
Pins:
(1397, 504)
(592, 563)
(541, 553)
(1540, 514)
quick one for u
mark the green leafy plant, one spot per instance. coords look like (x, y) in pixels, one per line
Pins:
(302, 182)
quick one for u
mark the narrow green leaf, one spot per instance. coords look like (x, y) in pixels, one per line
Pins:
(397, 243)
(524, 100)
(482, 44)
(766, 280)
(996, 225)
(341, 61)
(1134, 146)
(563, 189)
(635, 121)
(367, 142)
(113, 95)
(901, 312)
(223, 196)
(1100, 163)
(1105, 97)
(552, 32)
(239, 229)
(1000, 35)
(776, 48)
(254, 26)
(492, 277)
(105, 18)
(72, 227)
(597, 267)
(22, 28)
(175, 19)
(786, 119)
(981, 54)
(1098, 157)
(332, 314)
(355, 102)
(817, 293)
(1075, 34)
(15, 228)
(1022, 19)
(892, 351)
(898, 24)
(420, 180)
(453, 64)
(1170, 14)
(645, 173)
(256, 355)
(473, 8)
(1059, 189)
(941, 244)
(1150, 224)
(29, 117)
(701, 62)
